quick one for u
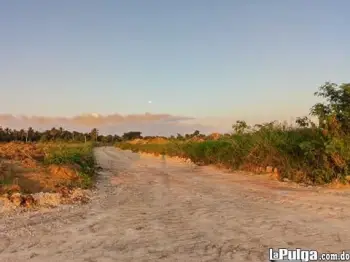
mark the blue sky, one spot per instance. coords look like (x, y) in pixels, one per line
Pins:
(199, 58)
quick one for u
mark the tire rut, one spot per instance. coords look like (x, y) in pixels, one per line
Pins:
(147, 209)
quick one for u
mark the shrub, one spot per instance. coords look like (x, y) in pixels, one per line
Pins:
(75, 154)
(308, 152)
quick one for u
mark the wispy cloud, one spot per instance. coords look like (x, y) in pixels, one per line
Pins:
(148, 124)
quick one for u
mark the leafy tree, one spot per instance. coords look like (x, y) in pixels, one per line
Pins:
(117, 138)
(30, 133)
(196, 133)
(179, 137)
(94, 134)
(334, 113)
(240, 127)
(302, 121)
(132, 135)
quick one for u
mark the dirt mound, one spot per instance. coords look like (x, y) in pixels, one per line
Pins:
(48, 180)
(64, 172)
(26, 182)
(39, 200)
(63, 196)
(12, 201)
(158, 140)
(12, 188)
(15, 177)
(197, 139)
(137, 141)
(215, 136)
(26, 153)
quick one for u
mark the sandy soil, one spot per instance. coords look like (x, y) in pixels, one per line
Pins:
(148, 209)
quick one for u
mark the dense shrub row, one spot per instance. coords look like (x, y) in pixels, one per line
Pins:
(305, 153)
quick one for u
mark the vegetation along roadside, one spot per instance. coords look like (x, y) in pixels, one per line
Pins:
(308, 152)
(48, 170)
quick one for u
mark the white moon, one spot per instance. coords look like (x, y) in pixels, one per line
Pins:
(149, 102)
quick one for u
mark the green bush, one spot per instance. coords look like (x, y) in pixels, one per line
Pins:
(291, 151)
(76, 154)
(309, 152)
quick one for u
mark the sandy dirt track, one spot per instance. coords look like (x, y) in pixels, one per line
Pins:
(148, 209)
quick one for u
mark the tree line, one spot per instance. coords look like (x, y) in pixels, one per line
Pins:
(61, 134)
(333, 118)
(53, 134)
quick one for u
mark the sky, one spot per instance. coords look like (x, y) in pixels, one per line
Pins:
(212, 62)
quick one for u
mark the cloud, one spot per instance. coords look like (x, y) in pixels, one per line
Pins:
(148, 124)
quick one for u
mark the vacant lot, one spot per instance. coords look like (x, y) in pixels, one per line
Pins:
(149, 209)
(28, 168)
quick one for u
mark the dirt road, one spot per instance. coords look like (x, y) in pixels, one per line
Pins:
(148, 209)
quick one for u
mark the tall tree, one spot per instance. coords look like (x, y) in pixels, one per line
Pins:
(132, 135)
(336, 108)
(94, 134)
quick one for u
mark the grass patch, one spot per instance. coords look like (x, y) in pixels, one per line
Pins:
(78, 156)
(46, 167)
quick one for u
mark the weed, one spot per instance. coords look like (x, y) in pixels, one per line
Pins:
(301, 154)
(80, 155)
(304, 153)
